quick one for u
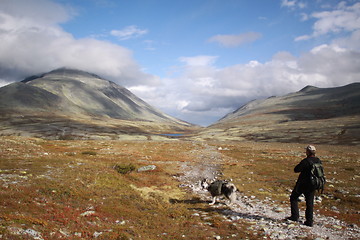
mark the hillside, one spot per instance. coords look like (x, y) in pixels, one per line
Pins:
(72, 102)
(320, 115)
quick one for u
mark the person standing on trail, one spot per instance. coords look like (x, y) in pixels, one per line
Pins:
(304, 186)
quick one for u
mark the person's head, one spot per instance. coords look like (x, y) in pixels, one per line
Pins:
(310, 150)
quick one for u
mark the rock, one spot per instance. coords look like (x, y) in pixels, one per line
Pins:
(146, 168)
(277, 235)
(291, 225)
(282, 236)
(87, 213)
(64, 232)
(97, 234)
(235, 218)
(353, 225)
(334, 208)
(34, 234)
(29, 232)
(217, 237)
(15, 230)
(278, 209)
(123, 222)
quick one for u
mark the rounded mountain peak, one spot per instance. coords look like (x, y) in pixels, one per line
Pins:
(66, 75)
(63, 72)
(308, 88)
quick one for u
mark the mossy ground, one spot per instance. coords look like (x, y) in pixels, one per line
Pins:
(62, 191)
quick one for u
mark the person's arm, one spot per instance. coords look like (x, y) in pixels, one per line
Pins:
(301, 166)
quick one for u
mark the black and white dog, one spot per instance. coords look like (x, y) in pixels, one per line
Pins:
(218, 188)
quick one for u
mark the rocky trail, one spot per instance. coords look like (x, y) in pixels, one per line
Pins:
(266, 217)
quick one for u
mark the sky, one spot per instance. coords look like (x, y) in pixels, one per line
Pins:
(196, 60)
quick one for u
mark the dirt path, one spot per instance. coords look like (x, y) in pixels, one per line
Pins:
(265, 216)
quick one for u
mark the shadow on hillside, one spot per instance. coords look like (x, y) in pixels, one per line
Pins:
(61, 127)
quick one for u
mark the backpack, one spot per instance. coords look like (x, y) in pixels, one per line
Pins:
(317, 176)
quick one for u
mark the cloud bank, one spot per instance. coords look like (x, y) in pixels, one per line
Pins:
(32, 42)
(206, 92)
(342, 19)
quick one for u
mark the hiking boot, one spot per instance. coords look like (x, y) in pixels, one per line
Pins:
(309, 224)
(291, 219)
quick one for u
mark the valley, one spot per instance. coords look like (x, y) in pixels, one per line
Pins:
(56, 189)
(83, 158)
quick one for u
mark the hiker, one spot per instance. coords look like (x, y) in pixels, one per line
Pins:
(304, 186)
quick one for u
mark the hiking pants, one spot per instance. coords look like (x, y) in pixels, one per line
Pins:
(309, 198)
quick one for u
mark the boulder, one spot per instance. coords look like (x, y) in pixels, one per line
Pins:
(146, 168)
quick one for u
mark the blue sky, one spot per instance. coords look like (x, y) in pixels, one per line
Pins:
(195, 60)
(165, 30)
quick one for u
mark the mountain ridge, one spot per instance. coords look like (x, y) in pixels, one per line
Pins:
(84, 105)
(308, 93)
(81, 97)
(320, 115)
(76, 91)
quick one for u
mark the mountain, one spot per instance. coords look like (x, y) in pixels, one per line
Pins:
(311, 115)
(79, 103)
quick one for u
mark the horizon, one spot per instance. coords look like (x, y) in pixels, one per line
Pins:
(196, 62)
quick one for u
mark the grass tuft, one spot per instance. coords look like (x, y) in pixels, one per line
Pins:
(124, 168)
(91, 153)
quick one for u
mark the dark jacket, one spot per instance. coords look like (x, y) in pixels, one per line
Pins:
(303, 183)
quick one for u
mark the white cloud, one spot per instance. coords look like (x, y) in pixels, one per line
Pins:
(198, 60)
(129, 32)
(345, 18)
(293, 4)
(302, 38)
(32, 42)
(235, 40)
(352, 42)
(44, 11)
(341, 19)
(288, 3)
(210, 92)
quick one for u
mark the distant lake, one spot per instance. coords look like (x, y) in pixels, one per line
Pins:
(172, 134)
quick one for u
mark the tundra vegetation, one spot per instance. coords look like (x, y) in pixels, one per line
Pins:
(89, 189)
